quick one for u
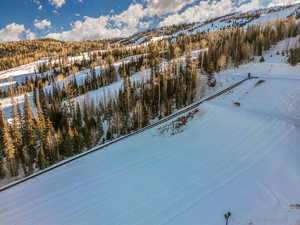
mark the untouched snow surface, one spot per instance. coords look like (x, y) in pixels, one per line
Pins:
(281, 14)
(243, 159)
(233, 21)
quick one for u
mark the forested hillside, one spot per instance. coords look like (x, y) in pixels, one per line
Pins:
(13, 54)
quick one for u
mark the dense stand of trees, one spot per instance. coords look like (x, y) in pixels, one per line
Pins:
(59, 126)
(13, 54)
(294, 56)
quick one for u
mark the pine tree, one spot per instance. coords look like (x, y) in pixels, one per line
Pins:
(29, 136)
(2, 153)
(2, 169)
(40, 121)
(50, 142)
(41, 161)
(8, 147)
(17, 136)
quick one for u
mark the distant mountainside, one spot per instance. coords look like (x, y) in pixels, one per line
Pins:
(220, 23)
(14, 54)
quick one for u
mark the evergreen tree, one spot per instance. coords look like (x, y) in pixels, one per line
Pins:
(17, 136)
(8, 146)
(29, 136)
(2, 153)
(41, 161)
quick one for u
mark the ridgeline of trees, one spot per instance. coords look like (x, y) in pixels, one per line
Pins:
(13, 54)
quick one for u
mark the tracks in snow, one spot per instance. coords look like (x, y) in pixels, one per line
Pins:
(168, 118)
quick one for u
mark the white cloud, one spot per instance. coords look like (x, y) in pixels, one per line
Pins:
(30, 35)
(16, 32)
(124, 24)
(201, 12)
(121, 25)
(89, 29)
(57, 3)
(160, 7)
(254, 4)
(131, 17)
(12, 32)
(56, 12)
(38, 3)
(42, 24)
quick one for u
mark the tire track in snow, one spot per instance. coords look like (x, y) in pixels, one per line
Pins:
(180, 112)
(267, 145)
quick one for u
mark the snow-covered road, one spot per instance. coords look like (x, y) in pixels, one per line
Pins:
(227, 158)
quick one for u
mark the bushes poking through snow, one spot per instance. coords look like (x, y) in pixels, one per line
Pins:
(178, 125)
(259, 83)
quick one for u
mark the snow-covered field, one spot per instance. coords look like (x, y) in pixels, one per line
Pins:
(243, 159)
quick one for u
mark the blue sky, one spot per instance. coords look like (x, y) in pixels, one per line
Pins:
(79, 20)
(26, 11)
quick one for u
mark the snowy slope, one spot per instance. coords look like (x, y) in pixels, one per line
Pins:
(242, 159)
(241, 20)
(30, 69)
(81, 76)
(281, 14)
